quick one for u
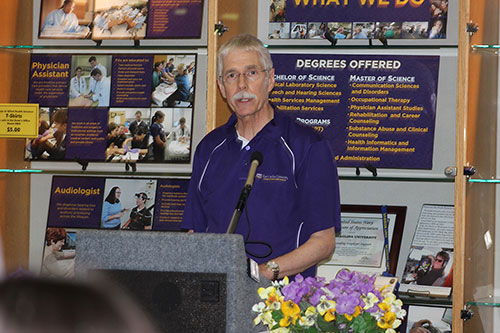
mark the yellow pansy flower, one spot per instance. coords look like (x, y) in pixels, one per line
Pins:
(356, 313)
(387, 320)
(264, 292)
(370, 300)
(325, 305)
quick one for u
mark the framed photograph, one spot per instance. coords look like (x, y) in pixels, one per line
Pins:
(361, 240)
(422, 318)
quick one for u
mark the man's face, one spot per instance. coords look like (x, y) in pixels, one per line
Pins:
(93, 63)
(60, 127)
(245, 97)
(139, 201)
(68, 8)
(138, 117)
(97, 77)
(139, 137)
(438, 263)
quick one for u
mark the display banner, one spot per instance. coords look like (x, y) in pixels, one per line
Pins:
(123, 204)
(375, 110)
(169, 19)
(117, 203)
(119, 108)
(357, 19)
(120, 19)
(49, 79)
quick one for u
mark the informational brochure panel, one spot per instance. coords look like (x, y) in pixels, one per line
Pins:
(62, 22)
(316, 22)
(121, 204)
(376, 110)
(113, 107)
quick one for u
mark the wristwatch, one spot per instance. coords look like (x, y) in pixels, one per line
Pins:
(274, 267)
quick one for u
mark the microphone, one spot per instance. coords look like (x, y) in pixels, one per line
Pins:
(256, 160)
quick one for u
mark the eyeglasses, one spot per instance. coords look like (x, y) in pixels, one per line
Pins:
(440, 260)
(250, 75)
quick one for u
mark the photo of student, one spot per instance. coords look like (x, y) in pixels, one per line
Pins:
(124, 19)
(140, 216)
(388, 30)
(51, 141)
(129, 203)
(140, 124)
(316, 30)
(277, 9)
(59, 254)
(157, 74)
(177, 126)
(340, 30)
(102, 89)
(78, 85)
(62, 22)
(181, 94)
(158, 135)
(112, 210)
(128, 135)
(429, 267)
(113, 146)
(438, 29)
(363, 30)
(32, 150)
(414, 30)
(91, 85)
(299, 30)
(279, 30)
(172, 80)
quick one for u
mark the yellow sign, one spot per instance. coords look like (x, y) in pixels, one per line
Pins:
(18, 120)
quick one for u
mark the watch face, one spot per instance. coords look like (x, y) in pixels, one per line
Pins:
(272, 265)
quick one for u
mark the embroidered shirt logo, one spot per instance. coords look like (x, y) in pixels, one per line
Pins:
(271, 178)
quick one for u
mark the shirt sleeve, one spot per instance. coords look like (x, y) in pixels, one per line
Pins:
(319, 190)
(194, 215)
(105, 212)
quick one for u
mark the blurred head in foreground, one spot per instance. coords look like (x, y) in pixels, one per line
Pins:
(50, 305)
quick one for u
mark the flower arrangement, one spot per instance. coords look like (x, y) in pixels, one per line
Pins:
(348, 303)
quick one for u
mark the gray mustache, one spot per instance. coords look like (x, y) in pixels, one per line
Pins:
(243, 94)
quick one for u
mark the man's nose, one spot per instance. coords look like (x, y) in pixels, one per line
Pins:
(242, 81)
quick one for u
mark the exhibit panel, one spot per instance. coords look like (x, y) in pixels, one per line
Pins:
(131, 88)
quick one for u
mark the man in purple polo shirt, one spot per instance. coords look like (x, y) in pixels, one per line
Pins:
(293, 211)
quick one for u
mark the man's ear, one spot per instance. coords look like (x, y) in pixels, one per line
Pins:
(221, 87)
(270, 81)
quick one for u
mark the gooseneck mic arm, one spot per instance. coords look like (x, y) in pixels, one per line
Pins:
(256, 160)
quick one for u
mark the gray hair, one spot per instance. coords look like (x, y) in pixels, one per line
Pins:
(244, 42)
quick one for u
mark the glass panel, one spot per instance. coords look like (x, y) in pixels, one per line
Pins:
(490, 301)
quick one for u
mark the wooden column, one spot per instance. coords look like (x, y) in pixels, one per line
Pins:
(16, 18)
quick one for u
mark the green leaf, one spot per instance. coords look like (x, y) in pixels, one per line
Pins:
(303, 306)
(277, 316)
(325, 326)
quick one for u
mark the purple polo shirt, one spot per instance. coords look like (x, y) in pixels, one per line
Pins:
(295, 192)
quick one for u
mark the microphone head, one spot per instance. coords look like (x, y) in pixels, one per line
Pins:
(257, 156)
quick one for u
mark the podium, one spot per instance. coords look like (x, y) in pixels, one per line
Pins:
(186, 282)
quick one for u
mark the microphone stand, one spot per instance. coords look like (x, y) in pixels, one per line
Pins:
(245, 192)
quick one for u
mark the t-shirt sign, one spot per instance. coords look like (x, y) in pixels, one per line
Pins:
(375, 110)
